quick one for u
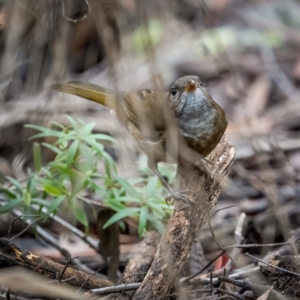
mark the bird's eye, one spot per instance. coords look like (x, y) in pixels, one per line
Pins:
(201, 83)
(173, 91)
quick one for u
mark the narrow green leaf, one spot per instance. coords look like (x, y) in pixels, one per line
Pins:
(130, 211)
(128, 187)
(151, 186)
(143, 220)
(27, 198)
(88, 156)
(122, 225)
(96, 146)
(37, 156)
(127, 199)
(73, 122)
(8, 193)
(52, 190)
(55, 204)
(40, 201)
(87, 129)
(51, 147)
(9, 206)
(78, 184)
(16, 184)
(114, 205)
(62, 168)
(80, 215)
(102, 137)
(71, 152)
(157, 224)
(58, 125)
(61, 156)
(109, 162)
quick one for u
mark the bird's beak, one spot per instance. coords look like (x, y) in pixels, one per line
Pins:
(190, 86)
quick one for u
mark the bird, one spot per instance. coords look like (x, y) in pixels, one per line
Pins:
(183, 124)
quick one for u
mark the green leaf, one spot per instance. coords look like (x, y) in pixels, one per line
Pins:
(114, 205)
(102, 137)
(16, 184)
(79, 183)
(87, 129)
(33, 180)
(122, 225)
(72, 152)
(60, 167)
(9, 206)
(61, 156)
(143, 220)
(51, 147)
(130, 211)
(151, 186)
(80, 215)
(40, 201)
(27, 198)
(88, 156)
(109, 163)
(37, 156)
(127, 199)
(128, 187)
(55, 204)
(96, 146)
(8, 193)
(58, 125)
(52, 190)
(73, 123)
(157, 224)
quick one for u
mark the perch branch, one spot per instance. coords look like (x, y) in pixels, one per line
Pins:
(174, 248)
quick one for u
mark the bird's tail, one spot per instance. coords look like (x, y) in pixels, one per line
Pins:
(86, 90)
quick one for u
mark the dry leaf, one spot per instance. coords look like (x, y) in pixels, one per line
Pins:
(265, 295)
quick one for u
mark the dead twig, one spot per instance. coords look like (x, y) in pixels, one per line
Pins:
(114, 289)
(272, 266)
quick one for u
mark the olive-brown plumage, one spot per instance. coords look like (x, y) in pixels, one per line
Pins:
(184, 123)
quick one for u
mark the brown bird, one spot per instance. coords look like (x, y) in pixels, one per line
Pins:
(183, 124)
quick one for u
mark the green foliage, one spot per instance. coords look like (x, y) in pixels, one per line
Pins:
(74, 171)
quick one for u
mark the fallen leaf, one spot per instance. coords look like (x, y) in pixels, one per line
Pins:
(265, 295)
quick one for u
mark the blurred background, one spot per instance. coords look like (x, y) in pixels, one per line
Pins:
(245, 52)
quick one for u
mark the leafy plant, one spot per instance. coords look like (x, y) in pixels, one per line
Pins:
(74, 170)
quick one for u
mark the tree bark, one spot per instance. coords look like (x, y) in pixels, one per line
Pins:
(11, 255)
(174, 248)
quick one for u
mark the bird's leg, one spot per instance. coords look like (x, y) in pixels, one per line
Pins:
(177, 195)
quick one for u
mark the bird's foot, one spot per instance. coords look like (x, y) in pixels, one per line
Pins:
(202, 165)
(184, 201)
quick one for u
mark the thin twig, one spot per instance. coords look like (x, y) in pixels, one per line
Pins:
(88, 280)
(69, 279)
(29, 225)
(11, 224)
(87, 239)
(182, 280)
(270, 265)
(18, 217)
(65, 267)
(209, 224)
(45, 236)
(115, 289)
(261, 245)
